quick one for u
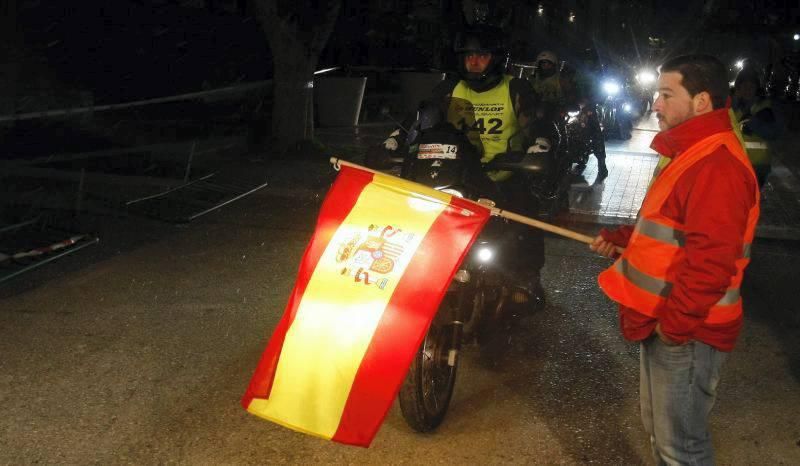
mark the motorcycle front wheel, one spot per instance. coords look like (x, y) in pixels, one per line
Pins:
(494, 337)
(428, 386)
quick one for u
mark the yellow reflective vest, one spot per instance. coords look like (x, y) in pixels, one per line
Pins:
(549, 89)
(757, 148)
(495, 120)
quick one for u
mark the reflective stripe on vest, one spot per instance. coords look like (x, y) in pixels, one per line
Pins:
(643, 278)
(663, 288)
(757, 148)
(661, 233)
(672, 236)
(754, 145)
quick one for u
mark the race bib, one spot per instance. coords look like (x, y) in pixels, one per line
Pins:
(437, 151)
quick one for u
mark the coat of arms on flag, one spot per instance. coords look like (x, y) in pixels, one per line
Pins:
(370, 281)
(370, 255)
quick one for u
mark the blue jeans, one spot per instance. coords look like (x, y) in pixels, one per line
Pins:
(677, 389)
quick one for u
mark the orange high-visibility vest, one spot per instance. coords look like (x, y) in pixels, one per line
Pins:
(642, 277)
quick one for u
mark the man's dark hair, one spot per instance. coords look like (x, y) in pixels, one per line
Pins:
(701, 73)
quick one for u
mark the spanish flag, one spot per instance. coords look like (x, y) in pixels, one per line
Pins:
(370, 281)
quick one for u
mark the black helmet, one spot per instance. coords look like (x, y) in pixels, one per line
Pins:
(482, 39)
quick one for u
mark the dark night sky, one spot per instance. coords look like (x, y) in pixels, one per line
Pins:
(125, 49)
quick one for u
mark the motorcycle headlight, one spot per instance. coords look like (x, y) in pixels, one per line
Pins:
(645, 77)
(485, 254)
(451, 191)
(611, 88)
(572, 117)
(626, 107)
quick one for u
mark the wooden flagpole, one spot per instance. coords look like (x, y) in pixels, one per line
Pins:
(337, 162)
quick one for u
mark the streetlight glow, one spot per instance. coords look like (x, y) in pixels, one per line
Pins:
(611, 88)
(796, 37)
(646, 77)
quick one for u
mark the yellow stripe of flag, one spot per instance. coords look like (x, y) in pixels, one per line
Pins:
(337, 316)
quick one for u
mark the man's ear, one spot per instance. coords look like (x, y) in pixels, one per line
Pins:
(701, 103)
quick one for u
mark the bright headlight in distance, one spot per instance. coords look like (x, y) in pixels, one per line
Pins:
(626, 107)
(645, 77)
(573, 114)
(610, 87)
(740, 64)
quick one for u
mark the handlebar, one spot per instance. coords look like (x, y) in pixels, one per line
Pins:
(518, 161)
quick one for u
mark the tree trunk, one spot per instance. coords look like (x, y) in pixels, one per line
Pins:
(297, 33)
(292, 93)
(10, 46)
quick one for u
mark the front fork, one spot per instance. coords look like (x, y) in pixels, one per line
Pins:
(460, 286)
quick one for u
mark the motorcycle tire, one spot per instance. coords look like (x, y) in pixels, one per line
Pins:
(583, 158)
(426, 391)
(494, 337)
(494, 342)
(626, 130)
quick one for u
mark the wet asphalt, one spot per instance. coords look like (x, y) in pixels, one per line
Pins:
(138, 352)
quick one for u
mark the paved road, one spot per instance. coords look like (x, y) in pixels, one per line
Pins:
(139, 354)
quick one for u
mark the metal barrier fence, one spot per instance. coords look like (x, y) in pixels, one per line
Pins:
(159, 100)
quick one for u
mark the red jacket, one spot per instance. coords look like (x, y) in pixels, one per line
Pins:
(712, 199)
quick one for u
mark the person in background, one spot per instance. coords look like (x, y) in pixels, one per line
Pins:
(558, 89)
(755, 119)
(678, 280)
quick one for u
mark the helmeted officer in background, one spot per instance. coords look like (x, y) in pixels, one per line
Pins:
(756, 120)
(557, 88)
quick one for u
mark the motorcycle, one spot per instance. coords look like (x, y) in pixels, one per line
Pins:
(615, 109)
(550, 187)
(478, 305)
(579, 135)
(582, 136)
(645, 89)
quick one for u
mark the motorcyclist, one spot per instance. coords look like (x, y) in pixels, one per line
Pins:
(503, 120)
(756, 120)
(556, 86)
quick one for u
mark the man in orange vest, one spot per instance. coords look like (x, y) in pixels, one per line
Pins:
(677, 281)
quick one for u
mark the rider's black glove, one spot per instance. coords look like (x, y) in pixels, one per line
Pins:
(379, 158)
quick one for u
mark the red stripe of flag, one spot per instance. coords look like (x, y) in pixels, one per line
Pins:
(340, 200)
(405, 321)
